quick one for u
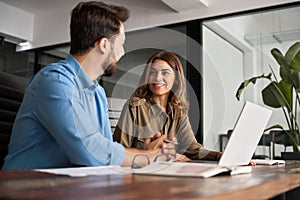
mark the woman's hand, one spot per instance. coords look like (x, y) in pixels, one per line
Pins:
(251, 163)
(154, 142)
(181, 158)
(218, 156)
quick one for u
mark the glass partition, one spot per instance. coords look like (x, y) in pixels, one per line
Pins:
(237, 48)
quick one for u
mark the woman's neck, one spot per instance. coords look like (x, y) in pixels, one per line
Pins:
(161, 101)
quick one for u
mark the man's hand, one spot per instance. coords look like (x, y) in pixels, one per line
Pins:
(155, 141)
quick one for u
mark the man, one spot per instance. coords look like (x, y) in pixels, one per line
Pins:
(63, 120)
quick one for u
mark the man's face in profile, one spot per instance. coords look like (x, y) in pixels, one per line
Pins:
(116, 52)
(111, 69)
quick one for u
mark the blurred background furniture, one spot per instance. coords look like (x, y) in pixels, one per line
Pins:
(282, 138)
(270, 140)
(265, 140)
(115, 106)
(11, 94)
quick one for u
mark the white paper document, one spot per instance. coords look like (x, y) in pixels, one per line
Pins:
(88, 171)
(268, 162)
(187, 169)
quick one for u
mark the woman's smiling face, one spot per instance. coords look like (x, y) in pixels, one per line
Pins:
(161, 78)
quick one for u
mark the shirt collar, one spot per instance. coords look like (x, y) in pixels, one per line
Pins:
(155, 109)
(81, 75)
(173, 112)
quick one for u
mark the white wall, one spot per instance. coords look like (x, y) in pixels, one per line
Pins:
(223, 71)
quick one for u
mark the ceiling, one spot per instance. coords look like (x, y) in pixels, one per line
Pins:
(37, 6)
(33, 6)
(286, 22)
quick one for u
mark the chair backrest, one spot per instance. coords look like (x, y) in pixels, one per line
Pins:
(115, 106)
(11, 94)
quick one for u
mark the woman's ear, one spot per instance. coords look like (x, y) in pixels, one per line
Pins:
(103, 45)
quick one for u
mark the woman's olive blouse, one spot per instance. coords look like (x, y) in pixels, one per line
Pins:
(141, 118)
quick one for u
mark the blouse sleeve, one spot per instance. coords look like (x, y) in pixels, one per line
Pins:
(188, 144)
(122, 133)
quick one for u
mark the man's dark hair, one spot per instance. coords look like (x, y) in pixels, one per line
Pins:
(91, 21)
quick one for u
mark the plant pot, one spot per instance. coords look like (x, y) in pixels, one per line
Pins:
(290, 155)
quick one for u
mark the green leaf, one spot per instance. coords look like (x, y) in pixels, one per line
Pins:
(290, 64)
(285, 75)
(273, 97)
(244, 84)
(279, 57)
(295, 64)
(291, 76)
(286, 90)
(292, 56)
(295, 77)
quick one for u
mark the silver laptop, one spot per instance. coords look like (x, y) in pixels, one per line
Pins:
(239, 150)
(246, 134)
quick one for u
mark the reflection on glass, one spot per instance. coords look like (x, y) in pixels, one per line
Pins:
(237, 48)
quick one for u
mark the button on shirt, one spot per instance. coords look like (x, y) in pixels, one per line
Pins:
(62, 122)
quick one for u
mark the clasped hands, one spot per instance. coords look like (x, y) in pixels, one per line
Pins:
(160, 141)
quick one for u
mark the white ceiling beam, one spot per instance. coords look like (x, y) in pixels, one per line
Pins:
(16, 25)
(185, 5)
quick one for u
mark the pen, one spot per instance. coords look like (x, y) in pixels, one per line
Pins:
(170, 141)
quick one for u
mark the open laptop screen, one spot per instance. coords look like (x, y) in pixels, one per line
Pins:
(246, 134)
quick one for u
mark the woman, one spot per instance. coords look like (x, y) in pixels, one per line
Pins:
(159, 107)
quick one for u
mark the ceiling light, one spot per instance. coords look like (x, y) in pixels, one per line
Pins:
(276, 37)
(24, 43)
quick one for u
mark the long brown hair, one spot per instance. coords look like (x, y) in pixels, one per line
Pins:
(177, 95)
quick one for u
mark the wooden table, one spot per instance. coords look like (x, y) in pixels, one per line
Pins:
(262, 183)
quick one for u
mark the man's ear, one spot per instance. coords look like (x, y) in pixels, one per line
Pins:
(104, 45)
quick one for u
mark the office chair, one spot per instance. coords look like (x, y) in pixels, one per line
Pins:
(115, 106)
(11, 94)
(282, 138)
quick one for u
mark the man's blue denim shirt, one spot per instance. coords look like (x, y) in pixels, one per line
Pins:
(63, 122)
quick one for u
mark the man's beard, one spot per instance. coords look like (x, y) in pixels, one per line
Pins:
(111, 68)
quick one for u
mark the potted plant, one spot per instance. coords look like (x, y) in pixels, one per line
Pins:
(283, 93)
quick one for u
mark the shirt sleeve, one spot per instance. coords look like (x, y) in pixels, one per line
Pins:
(55, 110)
(188, 144)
